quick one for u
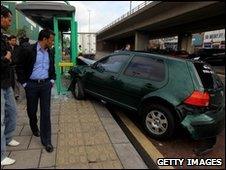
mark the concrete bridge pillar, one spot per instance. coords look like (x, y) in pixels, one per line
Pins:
(141, 41)
(99, 45)
(105, 46)
(185, 42)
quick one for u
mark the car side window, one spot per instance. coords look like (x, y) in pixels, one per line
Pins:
(113, 63)
(147, 68)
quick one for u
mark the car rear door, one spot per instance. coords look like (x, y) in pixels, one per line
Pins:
(143, 75)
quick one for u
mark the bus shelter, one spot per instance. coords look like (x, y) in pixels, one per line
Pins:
(59, 17)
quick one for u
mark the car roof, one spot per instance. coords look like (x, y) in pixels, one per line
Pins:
(163, 56)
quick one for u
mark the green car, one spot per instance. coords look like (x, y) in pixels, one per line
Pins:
(163, 90)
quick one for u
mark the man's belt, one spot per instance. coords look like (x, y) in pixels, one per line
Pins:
(39, 80)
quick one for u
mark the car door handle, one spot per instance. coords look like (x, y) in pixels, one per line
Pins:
(148, 85)
(112, 78)
(88, 72)
(136, 73)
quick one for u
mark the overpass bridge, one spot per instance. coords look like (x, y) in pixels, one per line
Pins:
(160, 19)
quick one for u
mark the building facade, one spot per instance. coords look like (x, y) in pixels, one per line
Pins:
(214, 39)
(87, 42)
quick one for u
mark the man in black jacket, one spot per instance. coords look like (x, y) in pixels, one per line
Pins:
(36, 72)
(13, 48)
(8, 103)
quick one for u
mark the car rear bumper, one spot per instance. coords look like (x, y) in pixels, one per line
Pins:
(205, 125)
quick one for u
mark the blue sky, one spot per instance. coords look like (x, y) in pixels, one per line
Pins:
(101, 13)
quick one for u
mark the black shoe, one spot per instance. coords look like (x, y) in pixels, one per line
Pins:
(49, 148)
(36, 133)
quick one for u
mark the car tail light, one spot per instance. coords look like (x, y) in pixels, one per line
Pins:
(198, 98)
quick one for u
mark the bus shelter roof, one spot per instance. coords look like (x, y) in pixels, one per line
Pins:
(42, 13)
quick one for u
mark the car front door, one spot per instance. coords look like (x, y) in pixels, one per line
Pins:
(101, 79)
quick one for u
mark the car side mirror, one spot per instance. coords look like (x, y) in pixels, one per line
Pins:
(98, 67)
(94, 65)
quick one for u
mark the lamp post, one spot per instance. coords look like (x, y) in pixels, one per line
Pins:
(130, 7)
(89, 30)
(89, 19)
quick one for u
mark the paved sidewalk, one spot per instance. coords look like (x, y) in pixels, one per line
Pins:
(84, 135)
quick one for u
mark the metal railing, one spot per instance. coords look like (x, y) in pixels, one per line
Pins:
(66, 2)
(137, 8)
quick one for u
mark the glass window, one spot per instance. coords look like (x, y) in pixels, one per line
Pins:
(113, 63)
(209, 79)
(146, 67)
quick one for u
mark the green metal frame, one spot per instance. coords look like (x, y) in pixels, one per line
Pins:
(64, 1)
(73, 38)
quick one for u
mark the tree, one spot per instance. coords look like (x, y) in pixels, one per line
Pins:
(18, 32)
(22, 32)
(66, 42)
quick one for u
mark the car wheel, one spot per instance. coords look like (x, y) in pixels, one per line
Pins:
(158, 121)
(78, 90)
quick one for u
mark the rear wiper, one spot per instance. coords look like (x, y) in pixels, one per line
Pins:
(215, 90)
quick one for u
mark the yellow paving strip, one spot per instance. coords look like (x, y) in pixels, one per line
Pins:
(151, 150)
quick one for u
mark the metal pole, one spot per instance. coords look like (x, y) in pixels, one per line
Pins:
(76, 42)
(130, 8)
(89, 31)
(89, 20)
(73, 39)
(57, 54)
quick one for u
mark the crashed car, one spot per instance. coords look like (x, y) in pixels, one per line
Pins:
(164, 91)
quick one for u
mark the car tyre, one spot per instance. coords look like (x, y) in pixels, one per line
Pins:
(78, 90)
(158, 121)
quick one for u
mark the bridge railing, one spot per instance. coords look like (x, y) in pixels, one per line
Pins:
(137, 8)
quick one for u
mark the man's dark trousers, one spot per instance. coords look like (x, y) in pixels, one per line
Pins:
(35, 91)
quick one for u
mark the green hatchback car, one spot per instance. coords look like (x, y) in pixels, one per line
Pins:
(163, 90)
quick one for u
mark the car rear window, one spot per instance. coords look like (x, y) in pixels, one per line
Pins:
(146, 67)
(208, 77)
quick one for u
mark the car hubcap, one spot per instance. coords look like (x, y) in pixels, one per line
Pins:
(156, 122)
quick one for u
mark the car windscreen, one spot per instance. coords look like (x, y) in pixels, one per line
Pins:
(209, 78)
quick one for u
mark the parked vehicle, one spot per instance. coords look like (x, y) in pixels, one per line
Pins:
(211, 56)
(170, 52)
(165, 91)
(180, 53)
